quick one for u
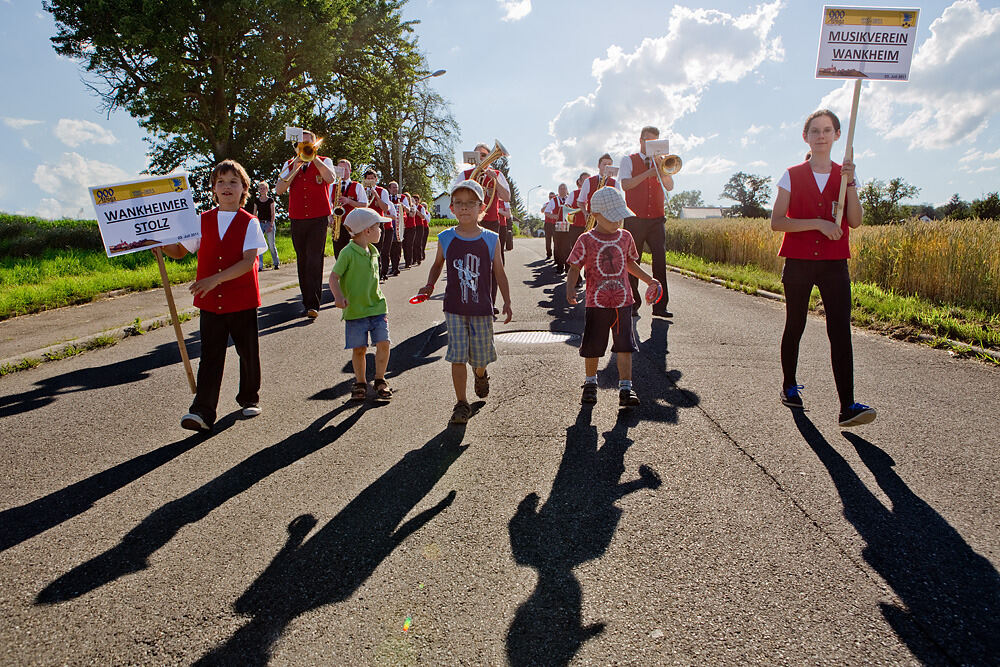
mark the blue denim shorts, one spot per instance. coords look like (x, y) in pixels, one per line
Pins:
(356, 331)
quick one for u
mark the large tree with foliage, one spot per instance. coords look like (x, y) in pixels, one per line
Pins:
(751, 192)
(678, 201)
(987, 208)
(881, 200)
(954, 209)
(213, 80)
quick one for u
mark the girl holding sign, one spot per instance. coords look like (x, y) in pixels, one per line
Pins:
(816, 251)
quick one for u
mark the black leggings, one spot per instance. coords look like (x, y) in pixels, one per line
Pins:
(834, 283)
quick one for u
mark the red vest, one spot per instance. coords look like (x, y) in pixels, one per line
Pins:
(308, 194)
(493, 212)
(595, 182)
(808, 202)
(353, 191)
(423, 220)
(577, 219)
(646, 199)
(377, 194)
(409, 220)
(215, 255)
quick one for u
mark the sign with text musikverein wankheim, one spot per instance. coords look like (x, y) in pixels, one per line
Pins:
(866, 43)
(145, 213)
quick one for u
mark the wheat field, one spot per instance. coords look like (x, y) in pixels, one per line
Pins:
(952, 263)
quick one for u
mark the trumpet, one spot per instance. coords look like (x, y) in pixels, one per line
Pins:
(479, 171)
(307, 150)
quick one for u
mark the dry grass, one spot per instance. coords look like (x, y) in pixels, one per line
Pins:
(955, 263)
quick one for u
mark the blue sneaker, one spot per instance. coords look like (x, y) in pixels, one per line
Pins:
(792, 396)
(856, 415)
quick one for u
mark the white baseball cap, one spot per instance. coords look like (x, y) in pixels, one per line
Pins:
(360, 219)
(608, 202)
(470, 185)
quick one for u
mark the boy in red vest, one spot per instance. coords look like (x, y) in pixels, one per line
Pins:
(645, 195)
(227, 293)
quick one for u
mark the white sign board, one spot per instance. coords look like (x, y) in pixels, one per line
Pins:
(657, 147)
(866, 43)
(145, 213)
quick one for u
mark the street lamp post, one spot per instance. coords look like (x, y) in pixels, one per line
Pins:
(399, 130)
(527, 199)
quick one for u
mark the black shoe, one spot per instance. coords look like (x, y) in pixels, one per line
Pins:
(627, 398)
(589, 393)
(856, 415)
(662, 312)
(792, 396)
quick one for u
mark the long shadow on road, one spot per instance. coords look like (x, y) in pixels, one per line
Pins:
(156, 530)
(21, 523)
(950, 593)
(576, 524)
(335, 561)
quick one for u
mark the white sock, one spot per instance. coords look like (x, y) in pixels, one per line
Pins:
(591, 379)
(624, 384)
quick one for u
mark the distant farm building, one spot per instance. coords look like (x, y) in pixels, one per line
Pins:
(701, 212)
(442, 206)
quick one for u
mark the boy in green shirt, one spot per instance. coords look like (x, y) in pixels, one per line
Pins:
(354, 284)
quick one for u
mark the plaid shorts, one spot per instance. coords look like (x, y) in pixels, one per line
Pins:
(470, 339)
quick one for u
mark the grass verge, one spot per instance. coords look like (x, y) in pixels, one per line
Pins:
(875, 308)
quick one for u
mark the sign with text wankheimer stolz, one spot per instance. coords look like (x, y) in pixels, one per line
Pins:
(866, 43)
(145, 213)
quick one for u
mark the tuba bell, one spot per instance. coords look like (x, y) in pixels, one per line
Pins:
(480, 169)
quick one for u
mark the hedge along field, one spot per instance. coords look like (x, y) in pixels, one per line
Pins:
(949, 263)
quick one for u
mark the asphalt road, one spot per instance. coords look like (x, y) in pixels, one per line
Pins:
(709, 526)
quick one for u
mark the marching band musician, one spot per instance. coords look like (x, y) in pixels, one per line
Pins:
(645, 194)
(549, 226)
(352, 196)
(592, 184)
(507, 221)
(491, 220)
(396, 249)
(424, 227)
(554, 210)
(409, 229)
(578, 221)
(378, 199)
(309, 212)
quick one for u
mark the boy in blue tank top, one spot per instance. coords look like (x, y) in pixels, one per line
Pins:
(470, 253)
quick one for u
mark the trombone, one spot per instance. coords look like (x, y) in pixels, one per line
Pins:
(307, 151)
(667, 165)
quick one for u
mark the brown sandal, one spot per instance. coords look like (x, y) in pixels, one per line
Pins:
(359, 392)
(382, 392)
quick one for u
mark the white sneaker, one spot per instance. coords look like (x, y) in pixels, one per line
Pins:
(192, 421)
(251, 411)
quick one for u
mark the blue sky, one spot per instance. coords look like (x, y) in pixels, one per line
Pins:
(728, 82)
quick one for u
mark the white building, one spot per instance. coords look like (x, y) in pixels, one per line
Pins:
(701, 212)
(442, 206)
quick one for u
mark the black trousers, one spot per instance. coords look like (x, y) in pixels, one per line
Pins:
(384, 250)
(574, 233)
(560, 249)
(341, 242)
(309, 241)
(421, 249)
(410, 245)
(550, 230)
(216, 330)
(651, 232)
(834, 283)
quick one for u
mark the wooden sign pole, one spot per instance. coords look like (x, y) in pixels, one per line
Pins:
(173, 318)
(848, 151)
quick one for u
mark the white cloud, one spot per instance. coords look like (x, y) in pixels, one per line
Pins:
(19, 123)
(73, 132)
(715, 164)
(659, 82)
(67, 181)
(757, 164)
(515, 10)
(954, 86)
(976, 155)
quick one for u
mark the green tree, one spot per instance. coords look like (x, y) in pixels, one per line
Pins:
(751, 192)
(955, 209)
(214, 80)
(682, 199)
(987, 208)
(881, 200)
